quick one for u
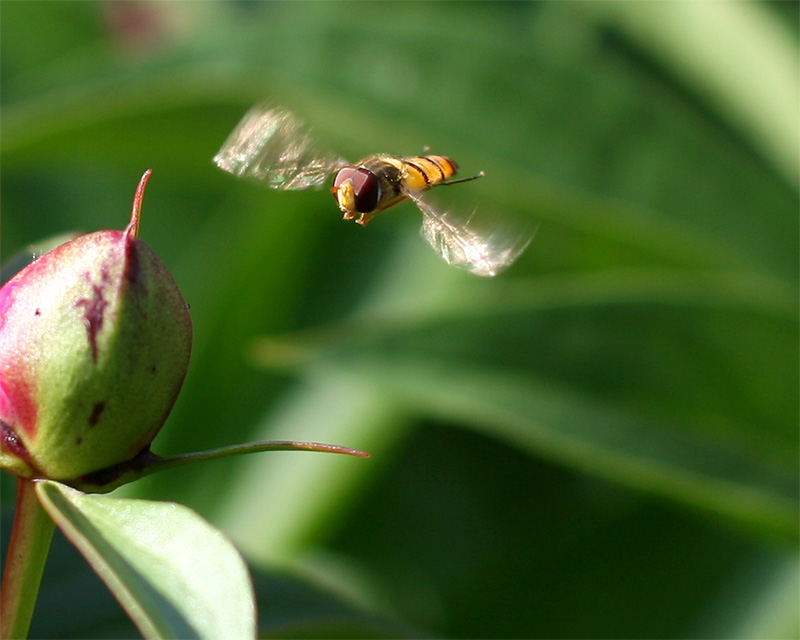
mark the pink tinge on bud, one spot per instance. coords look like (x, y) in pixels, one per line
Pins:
(21, 410)
(94, 345)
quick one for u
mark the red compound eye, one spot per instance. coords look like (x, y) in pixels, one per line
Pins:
(365, 187)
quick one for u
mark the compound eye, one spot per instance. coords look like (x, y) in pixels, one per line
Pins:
(365, 187)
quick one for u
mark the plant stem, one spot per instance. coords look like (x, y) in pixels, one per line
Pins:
(27, 552)
(146, 463)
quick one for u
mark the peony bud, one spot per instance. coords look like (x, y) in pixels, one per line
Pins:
(94, 346)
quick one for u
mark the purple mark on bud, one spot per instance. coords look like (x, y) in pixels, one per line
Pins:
(93, 310)
(12, 443)
(96, 411)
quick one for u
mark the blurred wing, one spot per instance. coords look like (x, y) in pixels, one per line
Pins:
(483, 253)
(271, 146)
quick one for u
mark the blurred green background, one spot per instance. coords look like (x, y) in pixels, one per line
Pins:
(602, 442)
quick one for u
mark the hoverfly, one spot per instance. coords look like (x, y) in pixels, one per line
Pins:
(271, 146)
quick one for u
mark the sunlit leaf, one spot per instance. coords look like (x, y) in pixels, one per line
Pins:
(175, 575)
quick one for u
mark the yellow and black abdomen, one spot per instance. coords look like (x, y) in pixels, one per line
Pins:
(422, 172)
(413, 173)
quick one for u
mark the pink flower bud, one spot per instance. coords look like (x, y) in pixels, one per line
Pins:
(94, 346)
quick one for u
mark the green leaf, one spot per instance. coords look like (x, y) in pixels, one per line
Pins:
(633, 148)
(712, 426)
(175, 575)
(567, 428)
(738, 56)
(290, 605)
(275, 501)
(302, 607)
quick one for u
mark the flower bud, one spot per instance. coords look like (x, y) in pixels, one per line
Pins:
(94, 346)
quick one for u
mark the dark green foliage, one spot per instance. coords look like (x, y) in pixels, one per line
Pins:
(601, 442)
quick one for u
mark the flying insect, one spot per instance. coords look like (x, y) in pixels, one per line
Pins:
(272, 147)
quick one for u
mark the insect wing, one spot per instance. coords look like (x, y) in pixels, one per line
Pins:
(271, 146)
(461, 244)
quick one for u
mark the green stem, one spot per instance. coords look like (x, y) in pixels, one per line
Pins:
(27, 552)
(147, 462)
